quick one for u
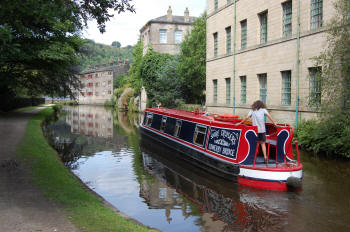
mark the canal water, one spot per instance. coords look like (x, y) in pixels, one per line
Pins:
(149, 182)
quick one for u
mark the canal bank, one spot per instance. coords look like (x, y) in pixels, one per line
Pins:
(37, 193)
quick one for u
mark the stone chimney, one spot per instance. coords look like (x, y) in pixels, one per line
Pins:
(170, 14)
(187, 15)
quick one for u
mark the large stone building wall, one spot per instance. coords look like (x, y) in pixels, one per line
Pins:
(97, 83)
(150, 32)
(271, 58)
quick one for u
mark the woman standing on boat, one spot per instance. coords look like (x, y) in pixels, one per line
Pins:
(257, 113)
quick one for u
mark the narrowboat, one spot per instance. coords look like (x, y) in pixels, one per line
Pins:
(217, 144)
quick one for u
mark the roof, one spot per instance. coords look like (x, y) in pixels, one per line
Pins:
(176, 19)
(164, 19)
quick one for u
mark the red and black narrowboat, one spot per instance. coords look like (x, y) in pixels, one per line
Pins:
(218, 144)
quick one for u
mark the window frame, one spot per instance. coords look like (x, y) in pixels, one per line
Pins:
(287, 18)
(149, 119)
(263, 87)
(215, 35)
(163, 36)
(243, 89)
(215, 91)
(244, 25)
(228, 39)
(315, 86)
(316, 14)
(197, 131)
(263, 19)
(177, 129)
(176, 35)
(286, 90)
(228, 90)
(163, 124)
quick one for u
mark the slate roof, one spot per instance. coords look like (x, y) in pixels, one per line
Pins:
(164, 19)
(176, 19)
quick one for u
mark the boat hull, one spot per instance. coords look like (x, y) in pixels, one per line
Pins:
(196, 157)
(289, 178)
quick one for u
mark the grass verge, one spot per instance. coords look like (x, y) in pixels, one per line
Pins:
(84, 209)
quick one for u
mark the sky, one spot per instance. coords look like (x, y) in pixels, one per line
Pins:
(126, 26)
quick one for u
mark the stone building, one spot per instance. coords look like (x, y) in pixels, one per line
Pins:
(97, 82)
(164, 34)
(264, 50)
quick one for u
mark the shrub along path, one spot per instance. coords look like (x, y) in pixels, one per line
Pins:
(23, 206)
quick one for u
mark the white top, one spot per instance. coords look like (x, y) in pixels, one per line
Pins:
(258, 119)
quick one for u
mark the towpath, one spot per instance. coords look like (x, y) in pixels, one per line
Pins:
(23, 206)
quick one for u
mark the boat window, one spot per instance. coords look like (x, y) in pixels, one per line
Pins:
(199, 135)
(149, 119)
(177, 128)
(162, 125)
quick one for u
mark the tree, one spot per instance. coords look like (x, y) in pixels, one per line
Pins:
(151, 66)
(135, 68)
(169, 85)
(192, 66)
(116, 44)
(335, 62)
(40, 44)
(96, 54)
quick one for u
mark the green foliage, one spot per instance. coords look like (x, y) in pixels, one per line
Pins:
(116, 44)
(120, 81)
(135, 68)
(190, 107)
(97, 54)
(109, 103)
(40, 43)
(117, 92)
(335, 61)
(168, 87)
(131, 105)
(57, 108)
(154, 75)
(192, 66)
(329, 136)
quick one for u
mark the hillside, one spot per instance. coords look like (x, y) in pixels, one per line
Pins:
(96, 53)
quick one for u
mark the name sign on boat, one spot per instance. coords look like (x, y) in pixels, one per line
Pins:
(224, 141)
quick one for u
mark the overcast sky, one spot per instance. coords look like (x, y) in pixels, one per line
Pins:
(125, 26)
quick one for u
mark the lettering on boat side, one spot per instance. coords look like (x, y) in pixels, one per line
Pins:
(224, 141)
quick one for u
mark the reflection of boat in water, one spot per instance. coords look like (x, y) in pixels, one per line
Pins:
(229, 150)
(224, 205)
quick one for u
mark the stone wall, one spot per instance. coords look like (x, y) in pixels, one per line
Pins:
(276, 55)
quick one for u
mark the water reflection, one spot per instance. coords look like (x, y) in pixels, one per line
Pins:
(223, 205)
(152, 184)
(90, 120)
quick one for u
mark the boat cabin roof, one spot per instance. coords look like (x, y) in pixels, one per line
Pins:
(201, 117)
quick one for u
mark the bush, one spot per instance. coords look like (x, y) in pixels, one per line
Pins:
(330, 136)
(108, 103)
(57, 108)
